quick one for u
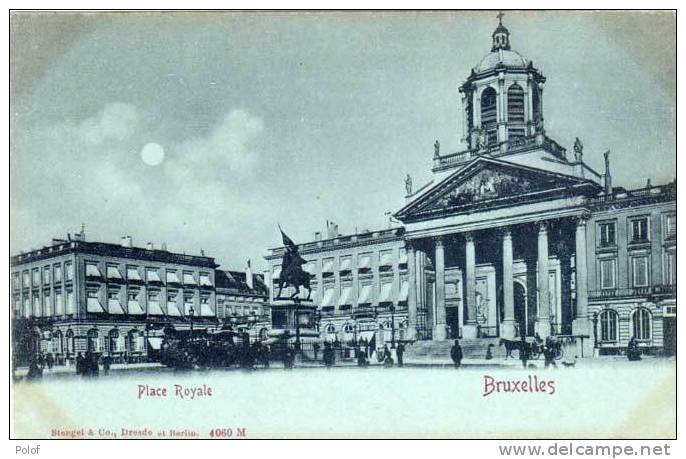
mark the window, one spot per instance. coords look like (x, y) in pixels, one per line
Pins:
(70, 308)
(639, 266)
(36, 306)
(172, 277)
(35, 277)
(68, 271)
(27, 307)
(641, 324)
(113, 272)
(47, 306)
(15, 281)
(639, 230)
(607, 234)
(132, 273)
(205, 280)
(92, 269)
(607, 273)
(515, 103)
(670, 226)
(188, 278)
(46, 275)
(25, 279)
(152, 275)
(669, 274)
(59, 303)
(57, 273)
(489, 115)
(608, 325)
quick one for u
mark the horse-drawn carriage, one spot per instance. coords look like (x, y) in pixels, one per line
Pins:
(534, 349)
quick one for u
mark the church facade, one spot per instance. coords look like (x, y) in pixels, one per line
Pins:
(514, 236)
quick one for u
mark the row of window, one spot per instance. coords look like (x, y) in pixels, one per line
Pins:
(364, 264)
(640, 274)
(62, 304)
(44, 275)
(638, 230)
(134, 341)
(608, 325)
(133, 273)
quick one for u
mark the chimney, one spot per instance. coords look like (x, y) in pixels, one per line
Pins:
(126, 241)
(150, 246)
(248, 275)
(317, 235)
(164, 246)
(608, 176)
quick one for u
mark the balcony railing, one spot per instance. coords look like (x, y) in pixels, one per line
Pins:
(628, 292)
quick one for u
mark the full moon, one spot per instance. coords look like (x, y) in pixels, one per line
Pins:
(152, 154)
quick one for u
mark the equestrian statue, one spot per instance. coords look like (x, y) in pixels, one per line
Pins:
(292, 273)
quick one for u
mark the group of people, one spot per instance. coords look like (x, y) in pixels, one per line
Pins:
(38, 364)
(88, 364)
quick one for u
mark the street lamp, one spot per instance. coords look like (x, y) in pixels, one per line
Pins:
(191, 311)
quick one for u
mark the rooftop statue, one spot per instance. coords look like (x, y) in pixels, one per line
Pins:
(578, 150)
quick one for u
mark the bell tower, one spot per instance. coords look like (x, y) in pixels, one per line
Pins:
(502, 99)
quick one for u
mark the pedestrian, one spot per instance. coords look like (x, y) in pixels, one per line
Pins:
(489, 353)
(523, 350)
(549, 352)
(106, 363)
(633, 353)
(362, 359)
(399, 351)
(79, 364)
(328, 356)
(288, 357)
(456, 354)
(50, 360)
(315, 348)
(35, 370)
(387, 357)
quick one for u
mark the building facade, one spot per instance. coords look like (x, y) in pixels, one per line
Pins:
(513, 236)
(243, 301)
(117, 299)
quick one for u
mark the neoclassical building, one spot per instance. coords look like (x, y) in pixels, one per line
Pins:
(514, 235)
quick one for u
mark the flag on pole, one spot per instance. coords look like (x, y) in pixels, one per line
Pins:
(290, 245)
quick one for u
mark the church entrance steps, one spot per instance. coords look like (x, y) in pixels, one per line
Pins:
(471, 349)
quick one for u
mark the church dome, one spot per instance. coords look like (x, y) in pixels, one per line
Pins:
(504, 57)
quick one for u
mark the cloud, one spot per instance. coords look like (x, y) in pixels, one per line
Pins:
(227, 147)
(116, 121)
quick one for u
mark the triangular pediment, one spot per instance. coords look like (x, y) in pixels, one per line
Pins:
(487, 183)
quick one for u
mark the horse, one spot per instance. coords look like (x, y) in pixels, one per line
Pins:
(511, 345)
(292, 274)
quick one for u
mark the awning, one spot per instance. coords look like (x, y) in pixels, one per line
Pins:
(155, 343)
(345, 296)
(113, 272)
(153, 276)
(404, 289)
(365, 295)
(132, 274)
(135, 307)
(328, 297)
(188, 279)
(364, 262)
(92, 270)
(385, 296)
(328, 266)
(206, 310)
(94, 305)
(367, 334)
(205, 280)
(114, 306)
(386, 258)
(173, 309)
(346, 264)
(154, 308)
(172, 277)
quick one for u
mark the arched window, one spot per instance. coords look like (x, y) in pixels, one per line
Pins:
(264, 334)
(93, 340)
(331, 328)
(515, 104)
(113, 339)
(641, 324)
(349, 328)
(489, 115)
(608, 325)
(70, 341)
(57, 342)
(134, 341)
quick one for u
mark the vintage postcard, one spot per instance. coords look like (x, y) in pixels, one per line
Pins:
(343, 224)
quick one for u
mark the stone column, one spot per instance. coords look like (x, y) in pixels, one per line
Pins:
(508, 325)
(580, 325)
(439, 264)
(543, 309)
(469, 329)
(411, 292)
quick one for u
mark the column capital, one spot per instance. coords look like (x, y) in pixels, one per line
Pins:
(582, 219)
(468, 236)
(543, 226)
(506, 231)
(439, 241)
(410, 245)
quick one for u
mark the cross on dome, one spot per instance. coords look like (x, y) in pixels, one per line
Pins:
(501, 36)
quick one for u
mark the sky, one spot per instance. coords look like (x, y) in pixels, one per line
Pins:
(206, 130)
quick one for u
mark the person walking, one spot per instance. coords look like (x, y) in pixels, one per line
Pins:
(523, 350)
(399, 351)
(49, 360)
(328, 356)
(315, 348)
(633, 353)
(549, 352)
(106, 364)
(387, 357)
(456, 354)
